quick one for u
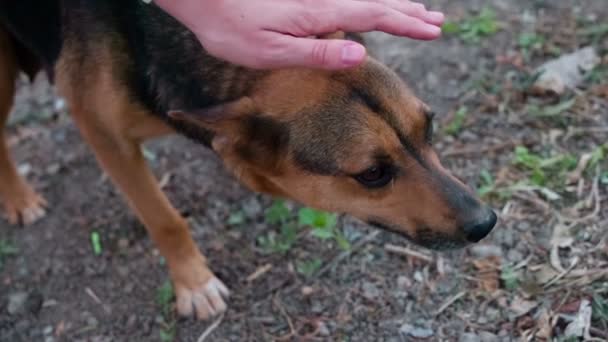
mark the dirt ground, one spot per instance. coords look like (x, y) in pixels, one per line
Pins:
(541, 275)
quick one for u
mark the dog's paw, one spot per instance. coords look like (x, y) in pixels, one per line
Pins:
(205, 301)
(23, 205)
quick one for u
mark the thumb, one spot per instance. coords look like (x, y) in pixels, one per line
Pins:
(324, 53)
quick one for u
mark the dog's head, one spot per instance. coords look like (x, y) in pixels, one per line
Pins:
(356, 142)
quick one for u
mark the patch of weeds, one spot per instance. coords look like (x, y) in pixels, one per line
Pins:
(323, 225)
(594, 32)
(544, 171)
(282, 241)
(164, 297)
(309, 267)
(278, 213)
(529, 43)
(456, 124)
(598, 155)
(510, 278)
(553, 110)
(473, 29)
(604, 178)
(597, 75)
(6, 250)
(236, 218)
(600, 310)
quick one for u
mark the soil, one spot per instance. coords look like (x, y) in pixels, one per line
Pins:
(55, 288)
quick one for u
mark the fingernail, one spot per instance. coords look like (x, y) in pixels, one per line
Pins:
(432, 30)
(436, 16)
(352, 54)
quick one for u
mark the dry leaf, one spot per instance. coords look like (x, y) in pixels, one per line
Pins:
(544, 325)
(579, 327)
(488, 273)
(520, 306)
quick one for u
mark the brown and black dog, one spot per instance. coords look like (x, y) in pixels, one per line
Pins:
(355, 142)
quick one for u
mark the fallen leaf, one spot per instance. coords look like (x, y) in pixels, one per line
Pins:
(520, 306)
(488, 273)
(544, 325)
(579, 327)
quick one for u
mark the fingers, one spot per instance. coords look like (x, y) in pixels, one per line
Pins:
(315, 53)
(413, 9)
(358, 16)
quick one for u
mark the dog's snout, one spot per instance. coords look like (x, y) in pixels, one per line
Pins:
(480, 228)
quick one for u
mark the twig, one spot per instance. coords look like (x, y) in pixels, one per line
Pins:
(449, 302)
(259, 272)
(210, 329)
(408, 252)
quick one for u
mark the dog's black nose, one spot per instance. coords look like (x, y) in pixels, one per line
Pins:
(479, 229)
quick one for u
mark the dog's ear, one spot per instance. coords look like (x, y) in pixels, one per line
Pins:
(242, 133)
(215, 116)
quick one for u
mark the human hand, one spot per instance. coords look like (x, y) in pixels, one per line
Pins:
(276, 33)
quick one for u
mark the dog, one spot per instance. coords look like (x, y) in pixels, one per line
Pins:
(355, 142)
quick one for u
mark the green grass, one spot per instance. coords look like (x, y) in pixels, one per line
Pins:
(164, 298)
(456, 124)
(308, 267)
(553, 110)
(473, 29)
(323, 225)
(510, 278)
(6, 250)
(543, 171)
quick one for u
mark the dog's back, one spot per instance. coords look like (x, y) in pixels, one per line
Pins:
(34, 28)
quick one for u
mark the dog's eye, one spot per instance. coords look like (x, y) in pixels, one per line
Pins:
(376, 177)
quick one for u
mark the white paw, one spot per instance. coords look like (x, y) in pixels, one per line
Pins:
(205, 302)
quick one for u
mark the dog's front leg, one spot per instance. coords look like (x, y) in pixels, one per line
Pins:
(197, 290)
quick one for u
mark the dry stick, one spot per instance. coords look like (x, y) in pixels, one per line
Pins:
(449, 302)
(210, 329)
(408, 252)
(259, 272)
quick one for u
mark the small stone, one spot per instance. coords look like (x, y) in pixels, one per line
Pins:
(417, 332)
(307, 290)
(123, 243)
(90, 320)
(485, 251)
(403, 282)
(323, 329)
(16, 303)
(487, 337)
(370, 290)
(514, 255)
(47, 330)
(469, 337)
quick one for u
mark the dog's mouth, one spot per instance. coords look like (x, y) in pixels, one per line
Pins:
(425, 237)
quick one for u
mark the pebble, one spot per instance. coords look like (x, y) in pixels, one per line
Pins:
(514, 255)
(469, 337)
(16, 303)
(485, 251)
(403, 282)
(487, 337)
(417, 332)
(47, 330)
(370, 290)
